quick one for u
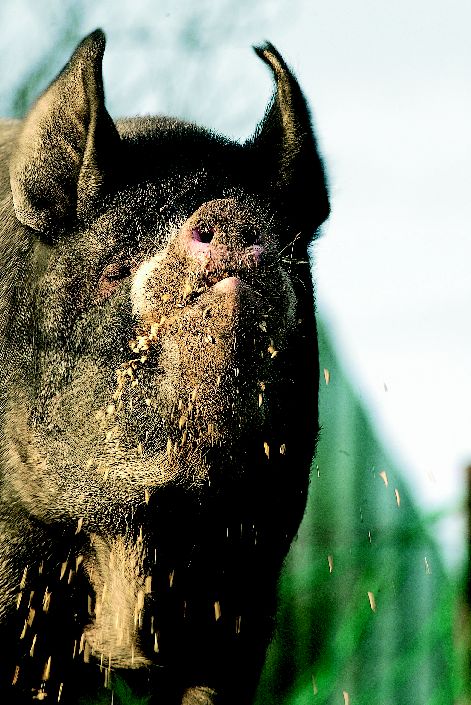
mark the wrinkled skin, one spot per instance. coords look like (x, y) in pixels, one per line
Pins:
(158, 391)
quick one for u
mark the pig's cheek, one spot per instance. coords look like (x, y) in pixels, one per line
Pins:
(168, 383)
(291, 303)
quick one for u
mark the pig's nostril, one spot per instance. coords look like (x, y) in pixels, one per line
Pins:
(250, 235)
(202, 234)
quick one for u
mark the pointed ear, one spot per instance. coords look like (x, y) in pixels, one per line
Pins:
(62, 163)
(286, 150)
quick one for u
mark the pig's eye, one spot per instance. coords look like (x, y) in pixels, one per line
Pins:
(116, 271)
(111, 277)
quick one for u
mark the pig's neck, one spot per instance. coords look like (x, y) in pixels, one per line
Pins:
(116, 574)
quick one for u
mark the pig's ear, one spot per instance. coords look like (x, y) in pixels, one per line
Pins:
(63, 159)
(286, 150)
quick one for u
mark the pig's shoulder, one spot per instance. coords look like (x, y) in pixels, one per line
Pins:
(9, 130)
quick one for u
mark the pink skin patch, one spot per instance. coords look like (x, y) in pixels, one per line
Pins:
(200, 247)
(228, 285)
(256, 252)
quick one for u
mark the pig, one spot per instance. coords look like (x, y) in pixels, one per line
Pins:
(158, 395)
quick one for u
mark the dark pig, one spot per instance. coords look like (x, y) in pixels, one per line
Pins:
(159, 379)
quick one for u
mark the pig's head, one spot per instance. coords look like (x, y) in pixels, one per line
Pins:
(162, 329)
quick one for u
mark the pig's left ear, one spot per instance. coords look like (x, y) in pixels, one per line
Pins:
(67, 145)
(286, 151)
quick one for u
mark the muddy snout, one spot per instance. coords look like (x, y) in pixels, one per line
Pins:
(208, 249)
(222, 245)
(222, 235)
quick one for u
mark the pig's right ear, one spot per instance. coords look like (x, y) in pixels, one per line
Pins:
(68, 143)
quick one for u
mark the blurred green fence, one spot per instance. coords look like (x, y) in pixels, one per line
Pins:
(366, 609)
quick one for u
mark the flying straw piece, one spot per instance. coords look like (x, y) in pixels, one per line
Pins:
(372, 600)
(383, 475)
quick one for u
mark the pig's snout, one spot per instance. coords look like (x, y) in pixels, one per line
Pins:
(211, 248)
(221, 242)
(220, 231)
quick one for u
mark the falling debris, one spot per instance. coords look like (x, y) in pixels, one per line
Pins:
(383, 475)
(428, 570)
(326, 375)
(33, 644)
(46, 600)
(330, 560)
(266, 448)
(47, 670)
(398, 497)
(283, 449)
(217, 611)
(372, 600)
(346, 698)
(30, 618)
(315, 689)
